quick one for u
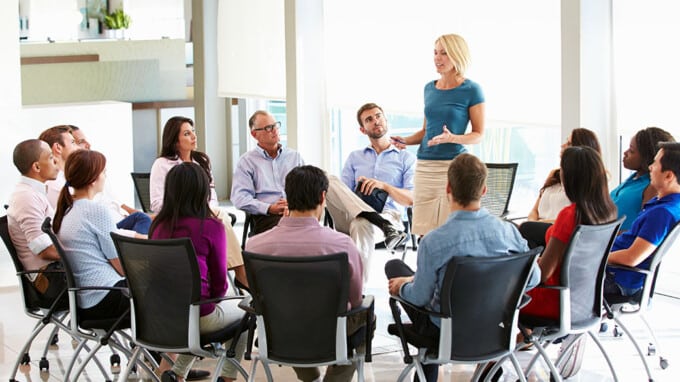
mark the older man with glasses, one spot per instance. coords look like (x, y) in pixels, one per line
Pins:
(259, 177)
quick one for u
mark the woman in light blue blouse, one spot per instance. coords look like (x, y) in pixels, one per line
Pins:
(451, 102)
(84, 228)
(635, 191)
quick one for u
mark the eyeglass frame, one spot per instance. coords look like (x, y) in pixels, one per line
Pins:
(269, 128)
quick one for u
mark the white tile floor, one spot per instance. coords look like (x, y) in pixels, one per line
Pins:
(387, 361)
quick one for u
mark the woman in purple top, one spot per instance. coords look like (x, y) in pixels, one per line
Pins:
(186, 213)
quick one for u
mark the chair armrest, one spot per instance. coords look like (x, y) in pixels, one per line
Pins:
(217, 299)
(524, 301)
(418, 308)
(367, 303)
(555, 287)
(40, 271)
(124, 291)
(246, 304)
(627, 268)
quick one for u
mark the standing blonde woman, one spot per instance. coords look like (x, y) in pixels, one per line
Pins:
(451, 102)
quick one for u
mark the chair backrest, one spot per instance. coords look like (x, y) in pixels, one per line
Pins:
(141, 181)
(299, 300)
(499, 183)
(655, 263)
(32, 299)
(164, 280)
(65, 260)
(481, 295)
(583, 270)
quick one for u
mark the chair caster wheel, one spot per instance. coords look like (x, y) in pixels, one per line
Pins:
(25, 359)
(604, 327)
(44, 365)
(651, 349)
(115, 360)
(617, 332)
(54, 340)
(663, 362)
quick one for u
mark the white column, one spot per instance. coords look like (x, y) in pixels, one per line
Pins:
(10, 109)
(212, 112)
(308, 121)
(587, 73)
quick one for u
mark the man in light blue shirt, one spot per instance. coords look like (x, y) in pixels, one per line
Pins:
(470, 230)
(378, 166)
(259, 177)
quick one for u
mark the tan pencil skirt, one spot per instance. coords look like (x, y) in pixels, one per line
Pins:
(430, 204)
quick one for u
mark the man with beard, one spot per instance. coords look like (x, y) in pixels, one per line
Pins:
(378, 166)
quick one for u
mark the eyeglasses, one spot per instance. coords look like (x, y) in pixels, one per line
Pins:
(269, 128)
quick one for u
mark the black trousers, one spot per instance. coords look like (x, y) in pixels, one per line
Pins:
(534, 233)
(112, 306)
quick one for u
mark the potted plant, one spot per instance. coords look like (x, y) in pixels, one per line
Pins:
(116, 22)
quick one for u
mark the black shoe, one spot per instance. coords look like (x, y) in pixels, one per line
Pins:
(394, 238)
(196, 374)
(168, 376)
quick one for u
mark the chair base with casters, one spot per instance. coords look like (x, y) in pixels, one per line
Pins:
(46, 313)
(102, 332)
(472, 335)
(579, 297)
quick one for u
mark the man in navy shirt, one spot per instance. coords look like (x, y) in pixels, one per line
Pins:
(658, 216)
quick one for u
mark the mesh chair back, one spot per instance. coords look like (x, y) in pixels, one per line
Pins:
(499, 183)
(164, 280)
(656, 257)
(299, 299)
(32, 299)
(481, 295)
(141, 181)
(583, 270)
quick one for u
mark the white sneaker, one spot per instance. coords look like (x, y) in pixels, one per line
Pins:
(571, 363)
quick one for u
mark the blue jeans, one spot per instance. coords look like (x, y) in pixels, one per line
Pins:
(138, 222)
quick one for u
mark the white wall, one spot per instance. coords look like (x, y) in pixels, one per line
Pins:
(108, 127)
(10, 109)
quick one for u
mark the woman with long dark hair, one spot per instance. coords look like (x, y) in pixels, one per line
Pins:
(552, 198)
(179, 146)
(186, 213)
(83, 226)
(584, 179)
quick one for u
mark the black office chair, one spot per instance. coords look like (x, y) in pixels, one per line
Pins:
(165, 295)
(304, 323)
(480, 301)
(580, 293)
(499, 183)
(619, 306)
(45, 312)
(141, 182)
(102, 332)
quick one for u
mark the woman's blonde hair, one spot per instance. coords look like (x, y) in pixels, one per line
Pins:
(457, 50)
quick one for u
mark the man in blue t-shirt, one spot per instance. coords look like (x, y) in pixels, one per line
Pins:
(657, 218)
